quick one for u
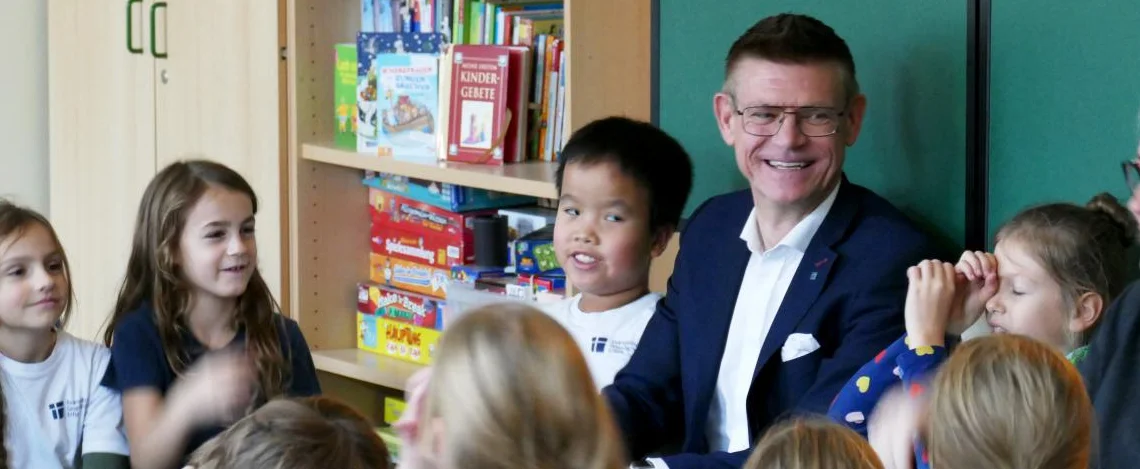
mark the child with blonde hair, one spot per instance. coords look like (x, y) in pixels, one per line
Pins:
(812, 444)
(54, 412)
(1054, 270)
(508, 390)
(1007, 402)
(302, 433)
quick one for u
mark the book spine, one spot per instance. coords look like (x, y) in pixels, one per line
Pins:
(560, 117)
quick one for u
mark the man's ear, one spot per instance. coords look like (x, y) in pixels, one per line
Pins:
(1090, 305)
(724, 110)
(855, 113)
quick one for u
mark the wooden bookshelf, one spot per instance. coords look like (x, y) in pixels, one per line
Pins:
(608, 46)
(535, 179)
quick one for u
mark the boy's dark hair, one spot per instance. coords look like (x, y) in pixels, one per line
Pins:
(790, 38)
(643, 152)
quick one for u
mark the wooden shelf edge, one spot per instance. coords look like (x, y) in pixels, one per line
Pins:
(365, 366)
(535, 179)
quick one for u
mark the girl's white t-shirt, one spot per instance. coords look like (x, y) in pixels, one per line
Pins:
(57, 409)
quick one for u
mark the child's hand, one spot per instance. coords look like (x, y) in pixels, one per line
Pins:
(929, 300)
(215, 390)
(892, 428)
(408, 426)
(978, 270)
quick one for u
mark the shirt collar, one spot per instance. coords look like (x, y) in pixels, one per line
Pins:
(800, 235)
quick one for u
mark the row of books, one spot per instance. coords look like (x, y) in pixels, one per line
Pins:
(499, 22)
(413, 96)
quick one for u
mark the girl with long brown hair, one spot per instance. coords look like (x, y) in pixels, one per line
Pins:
(197, 339)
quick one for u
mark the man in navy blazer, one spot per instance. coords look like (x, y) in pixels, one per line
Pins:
(779, 292)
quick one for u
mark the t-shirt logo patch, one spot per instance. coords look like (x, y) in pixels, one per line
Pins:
(56, 409)
(67, 408)
(611, 346)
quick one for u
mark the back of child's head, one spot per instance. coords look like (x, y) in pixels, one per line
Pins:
(812, 443)
(1008, 402)
(1082, 248)
(155, 277)
(15, 221)
(643, 152)
(510, 390)
(309, 433)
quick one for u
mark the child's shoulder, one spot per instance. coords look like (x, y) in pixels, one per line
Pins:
(287, 327)
(139, 319)
(77, 350)
(645, 304)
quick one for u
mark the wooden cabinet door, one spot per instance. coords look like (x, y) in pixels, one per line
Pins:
(218, 77)
(101, 117)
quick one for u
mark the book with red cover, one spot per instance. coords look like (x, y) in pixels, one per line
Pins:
(487, 118)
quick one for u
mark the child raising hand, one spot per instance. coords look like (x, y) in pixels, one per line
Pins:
(197, 339)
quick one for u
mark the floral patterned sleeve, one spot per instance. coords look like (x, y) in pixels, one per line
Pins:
(916, 368)
(858, 397)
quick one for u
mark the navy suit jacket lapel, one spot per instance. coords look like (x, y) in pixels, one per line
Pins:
(812, 274)
(711, 334)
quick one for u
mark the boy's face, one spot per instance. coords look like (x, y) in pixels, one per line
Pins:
(602, 236)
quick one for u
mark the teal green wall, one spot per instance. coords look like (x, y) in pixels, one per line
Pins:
(910, 59)
(1065, 89)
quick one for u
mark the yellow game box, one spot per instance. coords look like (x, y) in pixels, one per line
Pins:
(393, 409)
(395, 339)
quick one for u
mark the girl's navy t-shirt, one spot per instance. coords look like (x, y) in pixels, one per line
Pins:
(138, 361)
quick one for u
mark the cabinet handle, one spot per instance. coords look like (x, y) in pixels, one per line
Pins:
(154, 26)
(131, 27)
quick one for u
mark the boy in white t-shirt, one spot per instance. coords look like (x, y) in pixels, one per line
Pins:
(622, 186)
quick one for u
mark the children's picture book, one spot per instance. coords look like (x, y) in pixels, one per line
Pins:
(397, 94)
(401, 120)
(344, 93)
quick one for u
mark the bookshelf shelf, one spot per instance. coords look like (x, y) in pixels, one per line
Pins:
(534, 179)
(365, 366)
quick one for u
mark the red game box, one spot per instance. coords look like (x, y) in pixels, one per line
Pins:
(421, 247)
(399, 305)
(402, 213)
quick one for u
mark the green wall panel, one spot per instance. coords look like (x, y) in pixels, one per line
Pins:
(1065, 89)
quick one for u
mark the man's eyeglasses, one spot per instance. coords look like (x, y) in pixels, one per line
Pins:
(1131, 173)
(766, 121)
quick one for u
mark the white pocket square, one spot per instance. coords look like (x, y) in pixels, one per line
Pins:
(798, 345)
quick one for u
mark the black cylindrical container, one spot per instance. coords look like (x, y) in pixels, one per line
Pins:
(491, 241)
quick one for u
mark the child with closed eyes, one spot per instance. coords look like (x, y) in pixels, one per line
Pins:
(1053, 272)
